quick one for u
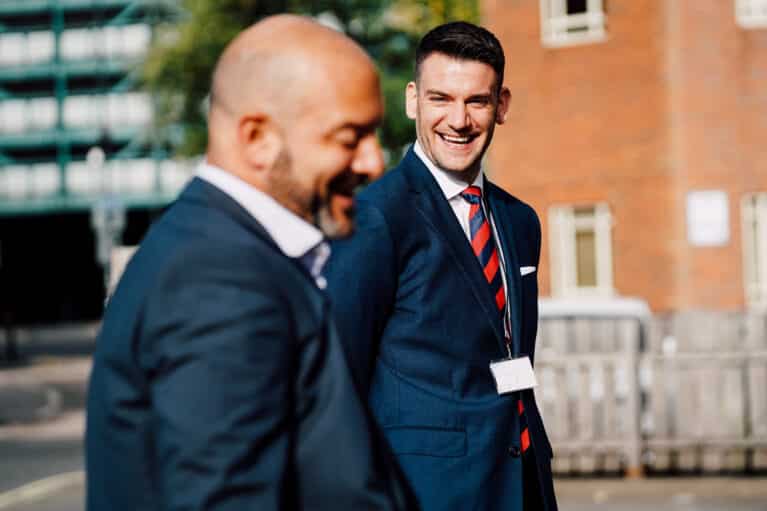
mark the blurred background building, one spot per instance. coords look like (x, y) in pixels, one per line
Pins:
(68, 83)
(637, 131)
(126, 81)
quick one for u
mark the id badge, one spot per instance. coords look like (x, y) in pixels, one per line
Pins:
(513, 374)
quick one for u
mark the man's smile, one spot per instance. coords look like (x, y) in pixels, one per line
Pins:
(458, 140)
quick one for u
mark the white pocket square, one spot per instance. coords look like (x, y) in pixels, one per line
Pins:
(526, 270)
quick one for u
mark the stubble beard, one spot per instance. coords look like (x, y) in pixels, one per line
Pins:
(305, 203)
(323, 219)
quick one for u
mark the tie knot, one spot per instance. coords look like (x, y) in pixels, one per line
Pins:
(472, 194)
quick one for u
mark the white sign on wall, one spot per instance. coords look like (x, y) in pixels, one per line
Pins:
(708, 218)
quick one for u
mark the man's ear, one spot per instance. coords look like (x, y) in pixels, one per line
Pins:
(260, 140)
(504, 100)
(411, 100)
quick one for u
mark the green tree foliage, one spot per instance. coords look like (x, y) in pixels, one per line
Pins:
(178, 69)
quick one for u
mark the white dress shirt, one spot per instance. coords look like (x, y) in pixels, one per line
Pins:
(452, 188)
(296, 237)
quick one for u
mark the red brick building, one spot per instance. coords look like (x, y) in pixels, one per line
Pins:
(638, 131)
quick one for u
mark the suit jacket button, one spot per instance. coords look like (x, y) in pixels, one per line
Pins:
(514, 451)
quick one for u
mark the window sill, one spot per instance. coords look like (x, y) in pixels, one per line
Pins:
(567, 40)
(754, 23)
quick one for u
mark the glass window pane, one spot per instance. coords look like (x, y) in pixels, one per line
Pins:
(45, 179)
(16, 181)
(577, 6)
(12, 48)
(112, 39)
(78, 111)
(77, 44)
(582, 212)
(42, 113)
(136, 40)
(40, 46)
(13, 116)
(585, 256)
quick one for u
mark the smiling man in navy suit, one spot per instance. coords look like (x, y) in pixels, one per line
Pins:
(219, 382)
(436, 294)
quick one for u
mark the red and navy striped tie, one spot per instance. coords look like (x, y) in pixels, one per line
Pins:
(484, 248)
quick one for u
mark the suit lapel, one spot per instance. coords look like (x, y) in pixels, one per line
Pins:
(439, 216)
(499, 209)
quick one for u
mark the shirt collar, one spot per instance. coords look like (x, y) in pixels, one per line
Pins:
(449, 184)
(295, 236)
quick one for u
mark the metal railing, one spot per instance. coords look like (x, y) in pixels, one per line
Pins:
(613, 401)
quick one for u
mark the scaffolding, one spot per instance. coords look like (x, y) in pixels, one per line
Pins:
(69, 71)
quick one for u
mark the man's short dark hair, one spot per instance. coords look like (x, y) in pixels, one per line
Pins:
(464, 41)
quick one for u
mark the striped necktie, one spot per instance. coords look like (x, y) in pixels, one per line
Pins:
(484, 248)
(483, 245)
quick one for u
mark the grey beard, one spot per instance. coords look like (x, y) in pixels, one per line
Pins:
(324, 221)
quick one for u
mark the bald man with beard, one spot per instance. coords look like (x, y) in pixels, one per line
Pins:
(218, 381)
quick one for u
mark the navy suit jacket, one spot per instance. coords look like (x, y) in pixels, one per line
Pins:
(219, 382)
(420, 327)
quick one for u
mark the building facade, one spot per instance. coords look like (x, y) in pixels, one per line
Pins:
(638, 132)
(68, 84)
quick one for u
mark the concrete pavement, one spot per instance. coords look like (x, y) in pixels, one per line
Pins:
(66, 493)
(41, 390)
(41, 437)
(42, 459)
(663, 494)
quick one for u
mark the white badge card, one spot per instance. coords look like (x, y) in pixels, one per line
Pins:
(513, 374)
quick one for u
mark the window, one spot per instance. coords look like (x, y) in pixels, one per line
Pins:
(13, 181)
(78, 44)
(566, 22)
(81, 179)
(40, 47)
(21, 115)
(12, 49)
(175, 174)
(13, 116)
(755, 249)
(26, 48)
(751, 13)
(581, 250)
(134, 176)
(45, 179)
(22, 181)
(107, 42)
(41, 113)
(112, 110)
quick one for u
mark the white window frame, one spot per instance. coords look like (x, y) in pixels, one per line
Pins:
(751, 14)
(754, 225)
(563, 226)
(556, 24)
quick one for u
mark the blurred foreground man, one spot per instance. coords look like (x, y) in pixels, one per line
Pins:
(218, 381)
(436, 294)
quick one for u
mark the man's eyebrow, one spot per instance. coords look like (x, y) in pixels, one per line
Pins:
(358, 127)
(359, 130)
(484, 97)
(435, 92)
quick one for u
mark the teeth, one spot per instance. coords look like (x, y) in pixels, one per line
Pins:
(456, 140)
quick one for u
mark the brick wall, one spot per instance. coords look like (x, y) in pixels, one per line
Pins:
(673, 100)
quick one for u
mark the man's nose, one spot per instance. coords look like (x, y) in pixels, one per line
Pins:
(458, 117)
(369, 158)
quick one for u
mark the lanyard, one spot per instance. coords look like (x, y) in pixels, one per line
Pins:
(507, 335)
(507, 328)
